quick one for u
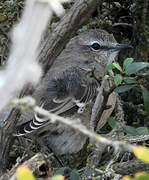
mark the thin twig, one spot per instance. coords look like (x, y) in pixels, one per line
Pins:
(30, 103)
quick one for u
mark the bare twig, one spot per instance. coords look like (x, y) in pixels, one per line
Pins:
(101, 104)
(36, 164)
(26, 38)
(130, 167)
(122, 24)
(106, 94)
(30, 103)
(22, 63)
(49, 50)
(56, 41)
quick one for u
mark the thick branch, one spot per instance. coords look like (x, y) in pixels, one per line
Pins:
(49, 50)
(130, 167)
(55, 42)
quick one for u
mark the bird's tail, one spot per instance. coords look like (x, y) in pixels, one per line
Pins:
(31, 126)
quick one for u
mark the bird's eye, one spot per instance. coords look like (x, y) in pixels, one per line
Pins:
(95, 46)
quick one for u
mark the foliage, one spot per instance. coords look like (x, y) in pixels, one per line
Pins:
(24, 173)
(58, 177)
(10, 12)
(114, 17)
(112, 122)
(125, 82)
(142, 153)
(127, 77)
(138, 176)
(131, 75)
(74, 175)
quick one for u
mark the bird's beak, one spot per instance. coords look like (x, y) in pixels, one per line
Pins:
(123, 46)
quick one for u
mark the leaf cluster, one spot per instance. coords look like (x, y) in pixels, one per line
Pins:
(129, 77)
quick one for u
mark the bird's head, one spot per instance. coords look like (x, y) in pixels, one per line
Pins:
(99, 46)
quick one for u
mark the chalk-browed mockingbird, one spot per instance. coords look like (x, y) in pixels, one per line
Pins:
(68, 89)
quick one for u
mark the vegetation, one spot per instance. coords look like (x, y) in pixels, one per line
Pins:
(129, 22)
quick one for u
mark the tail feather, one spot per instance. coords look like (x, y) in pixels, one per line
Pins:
(31, 126)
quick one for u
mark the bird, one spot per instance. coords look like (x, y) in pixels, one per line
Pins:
(69, 90)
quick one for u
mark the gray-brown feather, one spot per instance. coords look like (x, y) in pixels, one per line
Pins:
(64, 83)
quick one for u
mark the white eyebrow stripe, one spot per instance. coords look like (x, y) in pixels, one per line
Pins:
(92, 42)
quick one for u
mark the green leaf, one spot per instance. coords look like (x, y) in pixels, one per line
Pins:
(147, 72)
(145, 94)
(143, 176)
(127, 62)
(135, 67)
(2, 17)
(58, 177)
(118, 79)
(111, 121)
(127, 178)
(124, 88)
(142, 153)
(138, 176)
(24, 173)
(142, 130)
(109, 67)
(130, 130)
(61, 170)
(74, 175)
(117, 66)
(130, 80)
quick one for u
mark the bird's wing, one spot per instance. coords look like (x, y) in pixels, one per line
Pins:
(55, 96)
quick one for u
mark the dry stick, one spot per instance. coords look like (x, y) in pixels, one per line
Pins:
(130, 167)
(114, 133)
(100, 104)
(97, 106)
(96, 154)
(35, 164)
(30, 103)
(135, 139)
(104, 105)
(22, 63)
(97, 111)
(50, 49)
(120, 125)
(54, 43)
(94, 159)
(122, 24)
